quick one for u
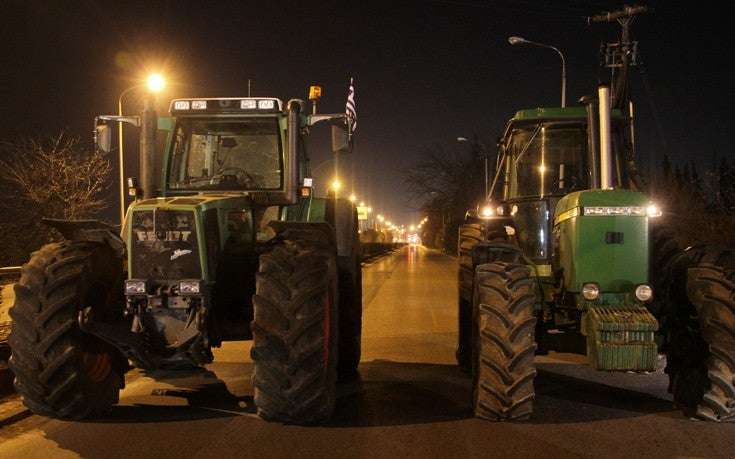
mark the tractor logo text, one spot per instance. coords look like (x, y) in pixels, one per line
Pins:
(167, 236)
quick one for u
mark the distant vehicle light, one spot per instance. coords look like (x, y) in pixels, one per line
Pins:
(182, 105)
(199, 104)
(267, 104)
(590, 291)
(248, 104)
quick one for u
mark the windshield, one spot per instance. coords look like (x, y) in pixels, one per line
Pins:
(548, 160)
(226, 154)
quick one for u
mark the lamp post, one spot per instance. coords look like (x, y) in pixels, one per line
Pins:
(523, 41)
(154, 83)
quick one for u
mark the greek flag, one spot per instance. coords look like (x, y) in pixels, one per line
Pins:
(350, 109)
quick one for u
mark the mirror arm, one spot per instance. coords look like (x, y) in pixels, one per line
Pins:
(316, 119)
(134, 120)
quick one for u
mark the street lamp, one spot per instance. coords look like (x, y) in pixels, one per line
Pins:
(154, 83)
(336, 185)
(523, 41)
(353, 198)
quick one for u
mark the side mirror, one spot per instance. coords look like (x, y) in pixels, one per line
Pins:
(340, 139)
(103, 137)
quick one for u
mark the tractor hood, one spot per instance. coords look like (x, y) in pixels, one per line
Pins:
(169, 239)
(602, 238)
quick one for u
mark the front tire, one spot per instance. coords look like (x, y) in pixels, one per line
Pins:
(59, 370)
(295, 330)
(504, 303)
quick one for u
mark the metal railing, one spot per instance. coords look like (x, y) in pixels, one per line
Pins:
(10, 271)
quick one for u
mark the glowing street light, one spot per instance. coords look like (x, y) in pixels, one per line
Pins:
(362, 203)
(336, 185)
(155, 82)
(353, 198)
(413, 228)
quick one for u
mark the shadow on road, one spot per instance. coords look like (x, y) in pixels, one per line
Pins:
(205, 395)
(567, 399)
(394, 393)
(397, 393)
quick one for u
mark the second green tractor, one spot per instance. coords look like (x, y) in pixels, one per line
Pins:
(568, 255)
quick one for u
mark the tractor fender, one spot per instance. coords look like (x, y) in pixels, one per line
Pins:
(342, 215)
(282, 227)
(88, 231)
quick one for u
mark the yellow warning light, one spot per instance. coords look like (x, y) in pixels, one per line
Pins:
(315, 92)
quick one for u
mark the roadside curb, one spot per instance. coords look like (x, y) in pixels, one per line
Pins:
(12, 410)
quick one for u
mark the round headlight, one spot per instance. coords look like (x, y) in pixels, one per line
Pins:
(644, 292)
(486, 212)
(590, 292)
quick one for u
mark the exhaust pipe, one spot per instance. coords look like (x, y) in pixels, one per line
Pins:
(294, 111)
(146, 157)
(606, 165)
(593, 140)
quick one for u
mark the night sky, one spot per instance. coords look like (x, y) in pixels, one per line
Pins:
(425, 71)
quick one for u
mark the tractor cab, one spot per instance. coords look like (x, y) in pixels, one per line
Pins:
(546, 156)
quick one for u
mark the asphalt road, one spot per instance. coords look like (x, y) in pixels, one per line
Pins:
(412, 402)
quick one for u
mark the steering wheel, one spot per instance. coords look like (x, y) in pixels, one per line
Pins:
(242, 176)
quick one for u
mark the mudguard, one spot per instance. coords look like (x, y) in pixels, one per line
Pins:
(88, 230)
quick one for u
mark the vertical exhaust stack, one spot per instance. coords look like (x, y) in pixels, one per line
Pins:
(606, 164)
(294, 113)
(593, 140)
(148, 126)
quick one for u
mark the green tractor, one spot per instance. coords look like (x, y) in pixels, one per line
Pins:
(230, 245)
(569, 256)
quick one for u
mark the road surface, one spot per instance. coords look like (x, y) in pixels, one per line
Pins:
(413, 401)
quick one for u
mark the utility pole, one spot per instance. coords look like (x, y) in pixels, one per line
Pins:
(622, 54)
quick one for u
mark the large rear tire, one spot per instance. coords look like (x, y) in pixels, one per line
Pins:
(59, 370)
(503, 383)
(295, 329)
(711, 288)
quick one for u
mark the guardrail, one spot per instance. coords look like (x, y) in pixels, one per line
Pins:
(373, 249)
(9, 272)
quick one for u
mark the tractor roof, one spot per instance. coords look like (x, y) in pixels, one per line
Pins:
(555, 113)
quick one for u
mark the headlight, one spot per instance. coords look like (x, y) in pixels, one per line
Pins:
(135, 287)
(190, 287)
(590, 291)
(486, 212)
(653, 211)
(644, 292)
